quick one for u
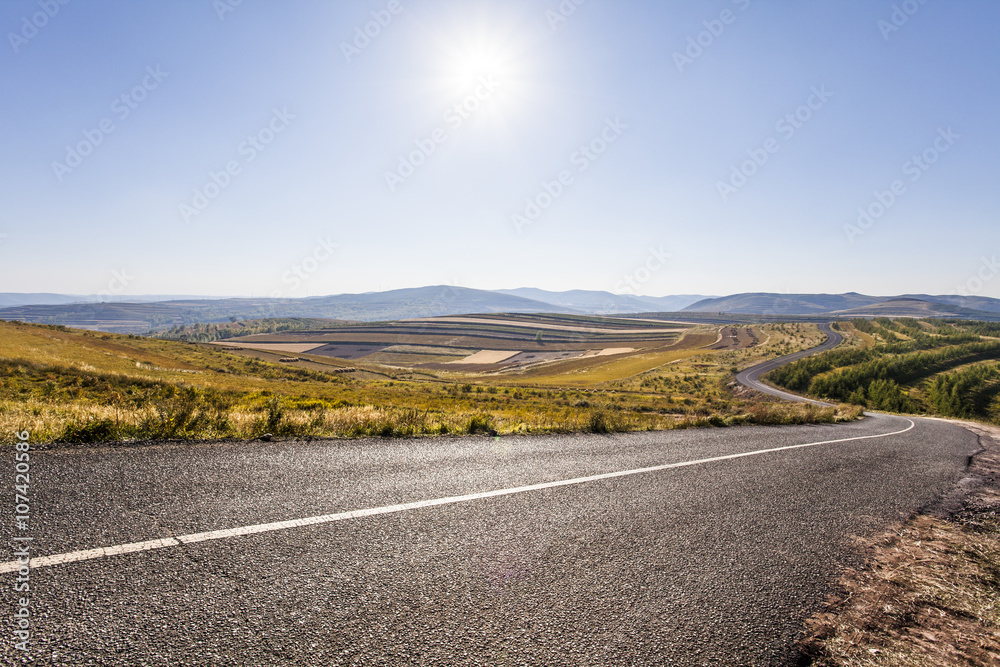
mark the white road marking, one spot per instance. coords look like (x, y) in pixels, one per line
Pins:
(102, 552)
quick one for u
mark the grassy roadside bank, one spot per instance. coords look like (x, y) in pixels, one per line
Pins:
(72, 386)
(190, 414)
(929, 593)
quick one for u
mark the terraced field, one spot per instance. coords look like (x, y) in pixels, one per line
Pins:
(482, 344)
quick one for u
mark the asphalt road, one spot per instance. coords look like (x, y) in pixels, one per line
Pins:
(751, 376)
(687, 548)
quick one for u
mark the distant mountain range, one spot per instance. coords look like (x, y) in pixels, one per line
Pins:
(849, 305)
(9, 299)
(145, 313)
(605, 303)
(374, 306)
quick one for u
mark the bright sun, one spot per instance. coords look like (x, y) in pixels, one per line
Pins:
(470, 67)
(476, 45)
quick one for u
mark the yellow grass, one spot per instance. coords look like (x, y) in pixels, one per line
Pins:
(587, 372)
(69, 384)
(929, 596)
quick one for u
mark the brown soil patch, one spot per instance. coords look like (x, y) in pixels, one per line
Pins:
(348, 350)
(736, 338)
(609, 351)
(488, 357)
(528, 358)
(297, 348)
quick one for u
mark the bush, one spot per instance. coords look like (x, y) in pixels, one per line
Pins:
(604, 422)
(93, 430)
(275, 413)
(481, 424)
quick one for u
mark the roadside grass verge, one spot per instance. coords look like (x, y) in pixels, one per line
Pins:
(930, 596)
(194, 415)
(929, 593)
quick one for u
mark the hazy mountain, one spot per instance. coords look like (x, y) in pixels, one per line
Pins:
(425, 302)
(140, 316)
(391, 305)
(913, 307)
(597, 302)
(672, 304)
(847, 305)
(10, 299)
(984, 303)
(764, 303)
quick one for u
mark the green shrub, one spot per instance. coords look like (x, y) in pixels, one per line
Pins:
(94, 430)
(481, 424)
(601, 421)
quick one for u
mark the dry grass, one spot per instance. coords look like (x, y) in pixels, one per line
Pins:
(75, 386)
(256, 415)
(589, 371)
(929, 594)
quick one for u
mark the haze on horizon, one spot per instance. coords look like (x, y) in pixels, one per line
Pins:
(303, 148)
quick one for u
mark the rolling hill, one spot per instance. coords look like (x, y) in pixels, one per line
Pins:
(12, 299)
(605, 303)
(391, 305)
(850, 305)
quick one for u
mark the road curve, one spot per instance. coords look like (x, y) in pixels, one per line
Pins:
(751, 376)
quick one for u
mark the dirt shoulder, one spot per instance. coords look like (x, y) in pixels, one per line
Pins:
(929, 593)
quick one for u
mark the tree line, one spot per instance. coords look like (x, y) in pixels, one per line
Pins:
(875, 377)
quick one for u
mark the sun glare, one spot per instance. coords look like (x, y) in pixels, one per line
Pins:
(470, 67)
(477, 47)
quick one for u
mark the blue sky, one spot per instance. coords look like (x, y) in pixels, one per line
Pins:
(261, 147)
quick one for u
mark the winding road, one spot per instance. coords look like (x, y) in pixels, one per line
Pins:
(751, 376)
(682, 547)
